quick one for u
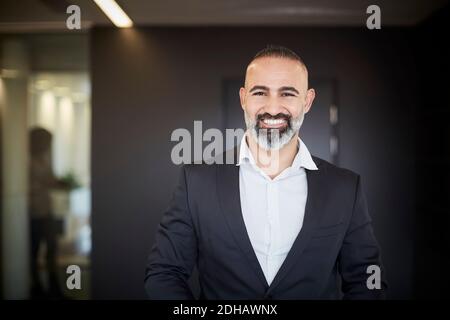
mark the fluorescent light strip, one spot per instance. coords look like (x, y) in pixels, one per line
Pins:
(115, 13)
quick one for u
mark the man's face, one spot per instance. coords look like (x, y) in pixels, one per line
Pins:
(275, 99)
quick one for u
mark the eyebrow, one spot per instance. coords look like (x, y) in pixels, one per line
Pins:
(289, 89)
(264, 88)
(259, 88)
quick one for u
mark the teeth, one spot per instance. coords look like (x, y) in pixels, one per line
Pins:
(273, 121)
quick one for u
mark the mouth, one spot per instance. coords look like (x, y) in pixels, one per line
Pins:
(273, 123)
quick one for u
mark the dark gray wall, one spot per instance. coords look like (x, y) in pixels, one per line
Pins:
(148, 82)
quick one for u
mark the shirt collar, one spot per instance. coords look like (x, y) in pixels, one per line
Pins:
(302, 159)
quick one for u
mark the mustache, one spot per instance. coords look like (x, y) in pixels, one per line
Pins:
(266, 115)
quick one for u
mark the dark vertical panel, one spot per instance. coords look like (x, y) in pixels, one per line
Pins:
(432, 258)
(316, 129)
(1, 176)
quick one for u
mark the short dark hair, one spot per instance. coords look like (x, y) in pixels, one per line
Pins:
(278, 52)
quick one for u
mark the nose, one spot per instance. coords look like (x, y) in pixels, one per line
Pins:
(273, 106)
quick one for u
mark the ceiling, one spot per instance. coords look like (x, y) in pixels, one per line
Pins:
(39, 15)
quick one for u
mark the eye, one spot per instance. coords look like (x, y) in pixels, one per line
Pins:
(288, 94)
(259, 93)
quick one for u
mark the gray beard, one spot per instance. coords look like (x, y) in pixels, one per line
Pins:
(272, 139)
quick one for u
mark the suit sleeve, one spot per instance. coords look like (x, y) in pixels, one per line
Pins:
(359, 251)
(174, 253)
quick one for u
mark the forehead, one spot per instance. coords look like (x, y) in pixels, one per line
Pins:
(274, 71)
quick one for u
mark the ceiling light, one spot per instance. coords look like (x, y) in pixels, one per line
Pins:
(115, 13)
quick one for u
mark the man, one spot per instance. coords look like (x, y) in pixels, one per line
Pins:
(277, 224)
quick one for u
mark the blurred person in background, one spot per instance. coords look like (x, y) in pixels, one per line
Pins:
(43, 226)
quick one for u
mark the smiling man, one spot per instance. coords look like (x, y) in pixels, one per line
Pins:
(278, 223)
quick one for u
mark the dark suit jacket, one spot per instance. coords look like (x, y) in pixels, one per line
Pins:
(204, 226)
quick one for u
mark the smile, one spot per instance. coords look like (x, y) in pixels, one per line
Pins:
(273, 123)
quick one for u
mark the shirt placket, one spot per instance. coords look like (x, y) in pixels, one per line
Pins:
(273, 222)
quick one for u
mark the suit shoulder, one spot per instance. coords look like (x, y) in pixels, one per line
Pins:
(336, 173)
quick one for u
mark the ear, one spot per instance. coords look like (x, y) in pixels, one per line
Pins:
(242, 93)
(310, 95)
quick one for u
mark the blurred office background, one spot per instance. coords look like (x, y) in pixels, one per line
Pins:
(110, 97)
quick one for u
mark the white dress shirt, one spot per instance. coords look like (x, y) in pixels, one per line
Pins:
(273, 209)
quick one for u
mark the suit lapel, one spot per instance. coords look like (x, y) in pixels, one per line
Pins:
(313, 213)
(230, 202)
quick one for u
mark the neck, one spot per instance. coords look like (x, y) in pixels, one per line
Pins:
(273, 162)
